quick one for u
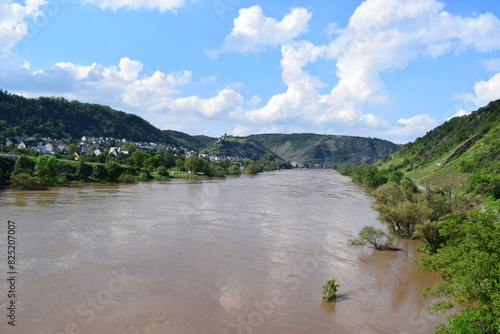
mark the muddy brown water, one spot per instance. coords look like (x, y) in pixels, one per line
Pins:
(239, 255)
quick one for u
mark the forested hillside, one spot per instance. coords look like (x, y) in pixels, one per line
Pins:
(326, 149)
(466, 147)
(198, 142)
(237, 147)
(306, 148)
(58, 118)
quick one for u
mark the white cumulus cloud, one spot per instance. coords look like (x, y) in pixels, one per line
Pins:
(382, 35)
(460, 113)
(484, 92)
(253, 30)
(411, 128)
(227, 101)
(13, 28)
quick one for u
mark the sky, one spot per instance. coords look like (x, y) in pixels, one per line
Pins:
(390, 69)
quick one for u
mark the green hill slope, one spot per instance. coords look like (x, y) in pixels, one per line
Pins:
(58, 118)
(306, 148)
(467, 147)
(326, 149)
(242, 147)
(197, 143)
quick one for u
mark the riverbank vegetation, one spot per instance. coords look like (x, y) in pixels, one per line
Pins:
(444, 189)
(37, 172)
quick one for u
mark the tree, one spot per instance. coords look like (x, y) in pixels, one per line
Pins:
(179, 164)
(345, 169)
(99, 173)
(234, 170)
(23, 165)
(269, 157)
(162, 171)
(252, 167)
(401, 207)
(137, 159)
(129, 147)
(215, 170)
(126, 178)
(168, 160)
(372, 235)
(114, 171)
(72, 148)
(368, 175)
(152, 162)
(27, 182)
(469, 264)
(83, 170)
(46, 168)
(195, 164)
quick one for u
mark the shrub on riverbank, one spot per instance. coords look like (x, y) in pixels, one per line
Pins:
(27, 182)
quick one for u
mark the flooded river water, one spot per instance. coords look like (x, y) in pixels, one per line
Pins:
(239, 255)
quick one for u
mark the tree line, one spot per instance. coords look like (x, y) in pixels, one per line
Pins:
(35, 171)
(458, 226)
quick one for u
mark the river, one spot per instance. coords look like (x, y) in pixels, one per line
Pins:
(244, 254)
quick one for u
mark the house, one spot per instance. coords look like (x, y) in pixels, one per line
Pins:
(116, 151)
(61, 146)
(49, 148)
(11, 141)
(37, 145)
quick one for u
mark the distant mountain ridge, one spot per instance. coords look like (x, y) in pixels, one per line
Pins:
(57, 117)
(306, 148)
(329, 150)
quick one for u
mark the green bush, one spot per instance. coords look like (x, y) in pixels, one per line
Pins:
(162, 171)
(27, 182)
(216, 171)
(234, 170)
(145, 176)
(126, 178)
(330, 290)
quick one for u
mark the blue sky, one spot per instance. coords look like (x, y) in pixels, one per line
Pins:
(391, 69)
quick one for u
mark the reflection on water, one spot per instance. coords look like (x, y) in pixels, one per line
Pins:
(240, 255)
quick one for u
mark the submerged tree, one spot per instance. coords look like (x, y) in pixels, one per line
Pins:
(330, 290)
(372, 235)
(401, 207)
(26, 182)
(252, 167)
